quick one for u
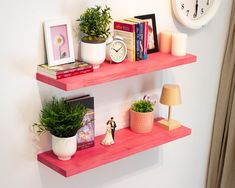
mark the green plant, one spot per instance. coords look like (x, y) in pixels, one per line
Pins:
(143, 105)
(94, 23)
(60, 118)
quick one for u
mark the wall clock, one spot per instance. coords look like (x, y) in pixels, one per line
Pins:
(195, 13)
(116, 50)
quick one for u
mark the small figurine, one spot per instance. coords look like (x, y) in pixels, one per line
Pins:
(113, 126)
(108, 139)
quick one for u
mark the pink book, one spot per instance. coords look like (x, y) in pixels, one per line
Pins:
(66, 75)
(145, 39)
(123, 26)
(64, 68)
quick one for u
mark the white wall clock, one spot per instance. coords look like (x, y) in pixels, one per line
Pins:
(195, 13)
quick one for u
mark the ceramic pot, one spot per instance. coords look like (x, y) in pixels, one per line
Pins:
(141, 122)
(64, 148)
(93, 53)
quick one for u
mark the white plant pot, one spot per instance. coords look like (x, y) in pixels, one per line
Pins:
(64, 148)
(93, 53)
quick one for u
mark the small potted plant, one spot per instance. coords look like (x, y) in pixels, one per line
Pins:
(142, 115)
(94, 24)
(62, 121)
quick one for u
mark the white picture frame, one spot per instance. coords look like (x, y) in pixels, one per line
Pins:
(59, 42)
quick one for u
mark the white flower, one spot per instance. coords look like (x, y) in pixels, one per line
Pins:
(59, 40)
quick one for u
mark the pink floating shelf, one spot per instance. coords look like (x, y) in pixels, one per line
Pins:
(109, 72)
(126, 143)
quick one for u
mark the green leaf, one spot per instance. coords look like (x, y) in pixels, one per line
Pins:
(95, 21)
(142, 106)
(60, 118)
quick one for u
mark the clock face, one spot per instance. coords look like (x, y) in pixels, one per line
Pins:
(117, 51)
(195, 9)
(195, 13)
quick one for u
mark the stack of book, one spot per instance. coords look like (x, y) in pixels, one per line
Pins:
(134, 32)
(65, 70)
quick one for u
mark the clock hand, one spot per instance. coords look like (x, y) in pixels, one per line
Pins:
(196, 9)
(208, 2)
(115, 50)
(119, 48)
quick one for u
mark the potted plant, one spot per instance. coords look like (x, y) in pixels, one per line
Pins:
(94, 24)
(62, 121)
(142, 115)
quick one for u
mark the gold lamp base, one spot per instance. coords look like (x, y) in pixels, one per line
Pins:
(169, 125)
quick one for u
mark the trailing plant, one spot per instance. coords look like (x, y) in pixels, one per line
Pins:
(143, 105)
(94, 23)
(61, 119)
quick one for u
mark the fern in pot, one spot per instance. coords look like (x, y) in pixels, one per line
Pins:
(62, 121)
(142, 115)
(94, 25)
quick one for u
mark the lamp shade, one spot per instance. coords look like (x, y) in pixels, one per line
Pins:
(170, 95)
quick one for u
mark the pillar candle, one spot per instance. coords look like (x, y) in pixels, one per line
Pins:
(179, 44)
(165, 42)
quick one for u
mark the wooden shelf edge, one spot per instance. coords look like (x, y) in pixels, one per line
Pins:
(51, 81)
(107, 73)
(127, 143)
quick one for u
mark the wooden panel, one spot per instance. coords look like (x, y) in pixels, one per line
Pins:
(126, 143)
(109, 72)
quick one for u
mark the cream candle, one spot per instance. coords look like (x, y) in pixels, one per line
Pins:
(179, 44)
(165, 41)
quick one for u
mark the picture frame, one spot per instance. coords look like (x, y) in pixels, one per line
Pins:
(59, 43)
(152, 32)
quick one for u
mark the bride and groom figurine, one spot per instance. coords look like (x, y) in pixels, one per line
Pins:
(109, 136)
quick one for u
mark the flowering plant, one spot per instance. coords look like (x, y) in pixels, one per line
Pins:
(143, 105)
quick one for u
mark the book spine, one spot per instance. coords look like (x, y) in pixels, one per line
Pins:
(137, 41)
(54, 73)
(145, 56)
(73, 70)
(69, 74)
(124, 26)
(141, 42)
(134, 52)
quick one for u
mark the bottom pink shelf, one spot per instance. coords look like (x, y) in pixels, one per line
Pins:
(126, 143)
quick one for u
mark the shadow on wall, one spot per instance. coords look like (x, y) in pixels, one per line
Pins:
(104, 175)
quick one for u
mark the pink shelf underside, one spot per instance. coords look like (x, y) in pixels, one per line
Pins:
(126, 143)
(109, 72)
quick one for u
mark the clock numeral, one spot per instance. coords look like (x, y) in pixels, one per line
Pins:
(182, 6)
(187, 12)
(196, 9)
(202, 10)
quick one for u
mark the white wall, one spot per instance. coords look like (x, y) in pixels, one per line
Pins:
(180, 164)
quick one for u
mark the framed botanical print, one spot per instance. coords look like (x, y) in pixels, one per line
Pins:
(59, 43)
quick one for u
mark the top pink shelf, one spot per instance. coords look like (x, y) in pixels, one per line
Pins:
(109, 72)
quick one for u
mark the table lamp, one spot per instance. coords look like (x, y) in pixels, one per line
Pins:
(170, 96)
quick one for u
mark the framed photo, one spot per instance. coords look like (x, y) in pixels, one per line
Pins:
(152, 32)
(59, 43)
